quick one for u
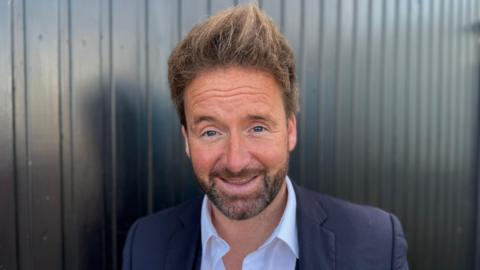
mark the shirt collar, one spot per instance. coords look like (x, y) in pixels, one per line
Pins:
(207, 228)
(286, 230)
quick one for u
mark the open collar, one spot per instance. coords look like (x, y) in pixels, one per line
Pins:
(286, 230)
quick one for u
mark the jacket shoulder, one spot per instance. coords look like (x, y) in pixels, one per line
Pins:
(167, 220)
(148, 239)
(361, 232)
(341, 214)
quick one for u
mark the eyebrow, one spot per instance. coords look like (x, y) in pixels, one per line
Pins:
(257, 117)
(261, 118)
(203, 118)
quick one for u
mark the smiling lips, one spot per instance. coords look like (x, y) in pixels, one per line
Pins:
(238, 181)
(239, 186)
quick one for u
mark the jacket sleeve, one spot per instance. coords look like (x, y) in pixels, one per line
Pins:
(399, 249)
(127, 249)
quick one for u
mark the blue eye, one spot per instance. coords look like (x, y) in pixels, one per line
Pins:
(209, 133)
(258, 129)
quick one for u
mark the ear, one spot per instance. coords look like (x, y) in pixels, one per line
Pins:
(292, 132)
(185, 137)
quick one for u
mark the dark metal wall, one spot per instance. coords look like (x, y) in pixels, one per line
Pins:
(89, 140)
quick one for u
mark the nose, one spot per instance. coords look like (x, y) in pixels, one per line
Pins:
(237, 155)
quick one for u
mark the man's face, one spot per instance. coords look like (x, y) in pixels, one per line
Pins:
(238, 138)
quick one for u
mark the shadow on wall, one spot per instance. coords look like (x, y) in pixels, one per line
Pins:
(110, 171)
(126, 185)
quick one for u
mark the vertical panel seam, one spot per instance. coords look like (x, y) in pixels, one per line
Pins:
(477, 161)
(336, 93)
(368, 151)
(394, 104)
(429, 128)
(382, 99)
(437, 160)
(458, 86)
(27, 134)
(352, 102)
(113, 138)
(105, 64)
(149, 112)
(71, 118)
(61, 133)
(321, 20)
(282, 16)
(470, 89)
(302, 80)
(418, 122)
(449, 131)
(14, 132)
(209, 8)
(383, 50)
(179, 29)
(408, 110)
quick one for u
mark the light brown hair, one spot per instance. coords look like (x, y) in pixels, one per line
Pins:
(239, 36)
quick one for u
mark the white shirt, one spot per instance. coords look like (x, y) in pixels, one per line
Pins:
(279, 251)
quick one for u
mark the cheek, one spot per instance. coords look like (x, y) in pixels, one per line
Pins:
(203, 159)
(271, 154)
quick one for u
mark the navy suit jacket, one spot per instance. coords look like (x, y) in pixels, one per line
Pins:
(333, 235)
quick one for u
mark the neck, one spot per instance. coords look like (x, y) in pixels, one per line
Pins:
(245, 236)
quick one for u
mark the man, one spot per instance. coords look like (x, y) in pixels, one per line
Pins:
(232, 80)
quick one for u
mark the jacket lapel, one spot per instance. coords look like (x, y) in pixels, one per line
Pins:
(185, 243)
(316, 243)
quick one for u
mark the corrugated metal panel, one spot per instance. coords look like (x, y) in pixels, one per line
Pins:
(8, 245)
(90, 140)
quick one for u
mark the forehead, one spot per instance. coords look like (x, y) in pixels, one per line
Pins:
(233, 89)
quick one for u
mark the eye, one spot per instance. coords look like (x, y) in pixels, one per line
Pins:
(209, 133)
(258, 129)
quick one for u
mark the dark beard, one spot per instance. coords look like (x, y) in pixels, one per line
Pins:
(244, 207)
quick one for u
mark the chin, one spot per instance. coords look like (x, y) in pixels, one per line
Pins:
(242, 207)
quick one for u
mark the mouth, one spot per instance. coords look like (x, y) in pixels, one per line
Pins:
(238, 181)
(239, 186)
